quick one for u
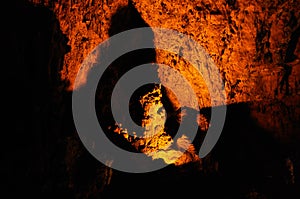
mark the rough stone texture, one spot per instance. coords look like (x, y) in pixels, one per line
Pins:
(255, 44)
(249, 41)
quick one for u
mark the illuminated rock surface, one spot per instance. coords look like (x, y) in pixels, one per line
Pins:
(255, 45)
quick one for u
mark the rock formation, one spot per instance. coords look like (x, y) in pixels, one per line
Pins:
(254, 44)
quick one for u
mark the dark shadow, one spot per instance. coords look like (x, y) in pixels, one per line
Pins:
(248, 156)
(39, 118)
(290, 55)
(34, 105)
(125, 18)
(249, 159)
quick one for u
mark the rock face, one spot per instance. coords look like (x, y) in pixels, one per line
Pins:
(254, 44)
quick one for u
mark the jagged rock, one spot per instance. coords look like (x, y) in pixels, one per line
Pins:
(255, 45)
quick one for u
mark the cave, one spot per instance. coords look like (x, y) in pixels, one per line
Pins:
(254, 45)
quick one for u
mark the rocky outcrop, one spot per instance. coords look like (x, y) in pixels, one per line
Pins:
(254, 44)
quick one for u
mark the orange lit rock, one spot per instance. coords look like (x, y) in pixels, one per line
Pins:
(255, 45)
(248, 40)
(231, 33)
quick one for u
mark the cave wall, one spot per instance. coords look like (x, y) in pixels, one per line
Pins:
(255, 45)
